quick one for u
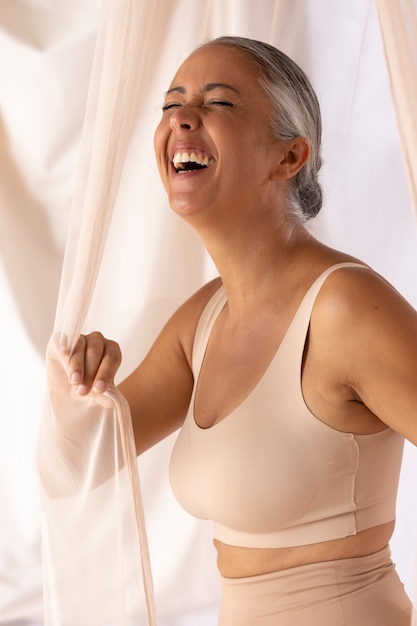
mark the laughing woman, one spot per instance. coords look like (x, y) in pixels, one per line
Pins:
(292, 415)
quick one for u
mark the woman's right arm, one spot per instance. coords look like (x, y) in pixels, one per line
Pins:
(159, 389)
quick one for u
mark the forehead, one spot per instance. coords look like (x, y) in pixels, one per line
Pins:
(217, 64)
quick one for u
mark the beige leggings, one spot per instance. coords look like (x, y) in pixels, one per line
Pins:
(362, 591)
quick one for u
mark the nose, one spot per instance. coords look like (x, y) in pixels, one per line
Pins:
(185, 117)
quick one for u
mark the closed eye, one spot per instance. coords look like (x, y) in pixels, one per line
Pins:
(170, 105)
(174, 105)
(225, 103)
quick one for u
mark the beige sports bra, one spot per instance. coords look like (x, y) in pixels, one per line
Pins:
(271, 474)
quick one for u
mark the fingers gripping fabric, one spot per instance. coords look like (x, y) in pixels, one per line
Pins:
(95, 551)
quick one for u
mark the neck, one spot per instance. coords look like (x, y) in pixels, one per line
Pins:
(254, 263)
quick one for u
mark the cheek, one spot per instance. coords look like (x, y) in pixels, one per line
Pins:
(160, 147)
(160, 138)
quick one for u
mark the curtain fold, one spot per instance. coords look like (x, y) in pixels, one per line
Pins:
(398, 21)
(86, 458)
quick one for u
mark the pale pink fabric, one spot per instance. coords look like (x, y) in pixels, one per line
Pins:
(398, 22)
(86, 457)
(361, 591)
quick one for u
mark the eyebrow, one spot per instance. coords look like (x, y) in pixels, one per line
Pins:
(208, 87)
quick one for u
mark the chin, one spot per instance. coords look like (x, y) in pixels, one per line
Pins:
(185, 208)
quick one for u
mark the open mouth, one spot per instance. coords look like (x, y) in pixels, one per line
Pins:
(191, 161)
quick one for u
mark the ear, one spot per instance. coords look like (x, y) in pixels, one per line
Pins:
(293, 155)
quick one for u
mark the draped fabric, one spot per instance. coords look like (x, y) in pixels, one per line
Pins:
(86, 454)
(399, 30)
(150, 262)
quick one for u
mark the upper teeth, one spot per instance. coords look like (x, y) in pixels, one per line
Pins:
(191, 157)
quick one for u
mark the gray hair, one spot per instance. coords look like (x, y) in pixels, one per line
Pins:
(296, 114)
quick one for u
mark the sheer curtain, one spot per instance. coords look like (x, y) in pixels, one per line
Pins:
(93, 519)
(399, 30)
(151, 261)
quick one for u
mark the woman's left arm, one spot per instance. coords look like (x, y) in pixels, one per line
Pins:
(372, 332)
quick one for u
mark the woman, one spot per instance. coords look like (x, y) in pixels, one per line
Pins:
(292, 376)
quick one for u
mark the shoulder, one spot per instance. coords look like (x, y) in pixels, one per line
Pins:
(185, 319)
(353, 295)
(358, 312)
(358, 293)
(363, 337)
(192, 308)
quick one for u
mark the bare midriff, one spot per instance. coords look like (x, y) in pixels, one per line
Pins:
(238, 562)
